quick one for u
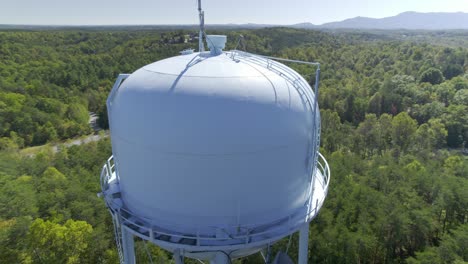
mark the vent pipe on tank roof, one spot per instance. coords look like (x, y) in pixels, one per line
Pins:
(216, 43)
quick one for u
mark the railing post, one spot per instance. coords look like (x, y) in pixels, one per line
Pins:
(151, 234)
(109, 170)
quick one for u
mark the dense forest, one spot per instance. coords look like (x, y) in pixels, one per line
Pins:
(394, 129)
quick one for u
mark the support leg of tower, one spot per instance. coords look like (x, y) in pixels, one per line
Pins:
(128, 245)
(179, 259)
(303, 243)
(220, 258)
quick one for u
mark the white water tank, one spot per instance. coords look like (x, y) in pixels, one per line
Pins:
(212, 139)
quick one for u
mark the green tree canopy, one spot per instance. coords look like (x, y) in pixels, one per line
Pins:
(50, 242)
(432, 76)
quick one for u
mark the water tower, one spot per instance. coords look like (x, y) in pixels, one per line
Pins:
(215, 154)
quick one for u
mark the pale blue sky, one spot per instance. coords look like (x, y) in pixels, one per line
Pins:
(111, 12)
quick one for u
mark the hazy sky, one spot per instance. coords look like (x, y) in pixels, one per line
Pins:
(107, 12)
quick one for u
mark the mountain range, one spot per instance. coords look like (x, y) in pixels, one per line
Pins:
(407, 20)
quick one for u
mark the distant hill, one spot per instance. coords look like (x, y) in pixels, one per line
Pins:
(406, 20)
(306, 25)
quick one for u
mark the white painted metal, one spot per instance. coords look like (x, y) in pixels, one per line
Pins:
(214, 152)
(220, 258)
(178, 257)
(216, 43)
(128, 245)
(303, 243)
(201, 16)
(199, 246)
(232, 136)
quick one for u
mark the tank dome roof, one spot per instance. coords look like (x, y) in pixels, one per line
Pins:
(219, 76)
(206, 64)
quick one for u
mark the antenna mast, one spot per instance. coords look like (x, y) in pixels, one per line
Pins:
(201, 15)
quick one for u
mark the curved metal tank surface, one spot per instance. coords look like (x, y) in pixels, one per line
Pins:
(207, 139)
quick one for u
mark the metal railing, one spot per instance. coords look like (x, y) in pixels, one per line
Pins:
(118, 238)
(324, 168)
(108, 170)
(289, 74)
(301, 86)
(206, 236)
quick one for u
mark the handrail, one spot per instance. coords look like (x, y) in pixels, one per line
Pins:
(245, 234)
(270, 63)
(120, 79)
(301, 86)
(325, 171)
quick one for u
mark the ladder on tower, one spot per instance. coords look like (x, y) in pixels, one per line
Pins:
(118, 237)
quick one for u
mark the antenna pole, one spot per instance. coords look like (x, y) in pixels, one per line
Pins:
(201, 15)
